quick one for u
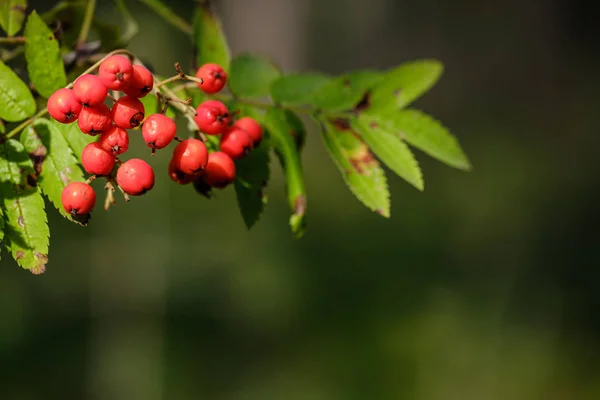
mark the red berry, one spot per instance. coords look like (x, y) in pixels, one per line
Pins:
(96, 160)
(78, 198)
(212, 117)
(63, 106)
(128, 112)
(251, 126)
(236, 143)
(95, 120)
(115, 140)
(116, 72)
(178, 176)
(141, 82)
(158, 131)
(89, 90)
(220, 170)
(213, 76)
(190, 156)
(135, 177)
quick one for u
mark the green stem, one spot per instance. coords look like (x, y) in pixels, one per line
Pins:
(87, 23)
(12, 40)
(169, 16)
(9, 55)
(43, 112)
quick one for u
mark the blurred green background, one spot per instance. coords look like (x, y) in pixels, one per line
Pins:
(482, 287)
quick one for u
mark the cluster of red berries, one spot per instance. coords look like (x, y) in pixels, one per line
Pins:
(191, 161)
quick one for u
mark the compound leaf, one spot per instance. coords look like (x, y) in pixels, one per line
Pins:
(26, 226)
(346, 91)
(42, 52)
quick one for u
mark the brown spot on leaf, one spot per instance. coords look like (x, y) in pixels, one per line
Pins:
(64, 175)
(21, 221)
(19, 254)
(397, 92)
(373, 125)
(40, 268)
(364, 103)
(31, 180)
(362, 159)
(341, 124)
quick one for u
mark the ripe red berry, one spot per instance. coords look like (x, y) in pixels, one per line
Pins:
(190, 156)
(135, 177)
(115, 140)
(212, 117)
(63, 106)
(178, 176)
(158, 131)
(115, 72)
(236, 143)
(251, 126)
(96, 160)
(141, 82)
(213, 76)
(128, 112)
(89, 90)
(220, 170)
(95, 120)
(78, 198)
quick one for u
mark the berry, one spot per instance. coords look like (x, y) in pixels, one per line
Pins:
(63, 106)
(213, 76)
(95, 120)
(116, 72)
(176, 175)
(115, 140)
(251, 126)
(236, 143)
(212, 117)
(220, 170)
(78, 198)
(158, 131)
(190, 156)
(141, 82)
(135, 177)
(128, 112)
(96, 160)
(89, 90)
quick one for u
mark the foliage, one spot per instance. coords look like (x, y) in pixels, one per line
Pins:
(362, 117)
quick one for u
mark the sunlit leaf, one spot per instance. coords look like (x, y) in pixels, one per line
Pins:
(26, 232)
(44, 62)
(17, 101)
(389, 148)
(360, 170)
(76, 139)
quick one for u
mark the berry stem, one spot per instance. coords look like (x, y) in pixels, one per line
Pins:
(9, 55)
(86, 25)
(12, 40)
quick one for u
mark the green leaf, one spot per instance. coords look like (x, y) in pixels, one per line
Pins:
(17, 101)
(2, 127)
(76, 139)
(12, 15)
(169, 16)
(425, 133)
(210, 43)
(252, 178)
(130, 26)
(389, 148)
(404, 84)
(346, 91)
(252, 76)
(279, 129)
(361, 171)
(1, 223)
(297, 88)
(150, 103)
(59, 167)
(44, 62)
(26, 226)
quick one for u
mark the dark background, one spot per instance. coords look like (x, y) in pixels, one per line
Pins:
(481, 287)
